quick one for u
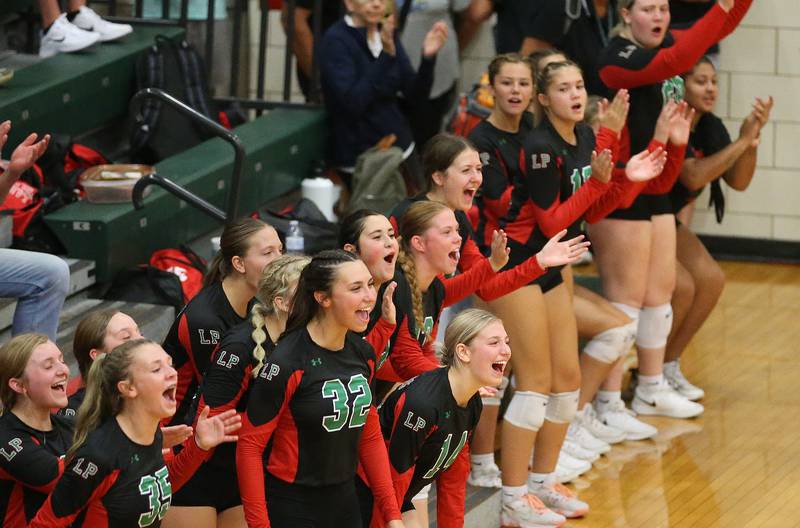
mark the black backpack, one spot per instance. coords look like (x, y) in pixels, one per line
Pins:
(160, 131)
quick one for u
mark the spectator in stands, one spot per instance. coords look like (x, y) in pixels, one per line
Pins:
(426, 119)
(363, 67)
(303, 39)
(77, 29)
(38, 281)
(580, 29)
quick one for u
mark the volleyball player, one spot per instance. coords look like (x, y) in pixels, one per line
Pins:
(635, 246)
(115, 473)
(211, 497)
(312, 403)
(715, 158)
(246, 247)
(427, 422)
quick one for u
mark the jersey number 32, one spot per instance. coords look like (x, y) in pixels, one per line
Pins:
(355, 414)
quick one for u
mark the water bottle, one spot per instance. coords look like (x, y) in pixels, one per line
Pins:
(294, 239)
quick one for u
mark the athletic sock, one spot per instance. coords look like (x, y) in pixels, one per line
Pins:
(510, 493)
(650, 384)
(607, 396)
(537, 478)
(483, 460)
(72, 14)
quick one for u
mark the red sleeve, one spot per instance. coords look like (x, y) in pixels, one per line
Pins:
(607, 139)
(462, 286)
(561, 215)
(407, 357)
(636, 66)
(269, 403)
(184, 464)
(451, 491)
(740, 8)
(374, 459)
(504, 282)
(379, 336)
(672, 169)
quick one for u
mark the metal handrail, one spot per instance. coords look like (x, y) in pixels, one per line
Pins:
(232, 211)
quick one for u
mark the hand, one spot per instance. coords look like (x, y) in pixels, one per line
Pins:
(762, 109)
(646, 165)
(434, 40)
(26, 154)
(601, 166)
(680, 124)
(387, 35)
(726, 5)
(175, 435)
(5, 128)
(661, 133)
(500, 251)
(755, 121)
(557, 253)
(613, 115)
(388, 310)
(210, 432)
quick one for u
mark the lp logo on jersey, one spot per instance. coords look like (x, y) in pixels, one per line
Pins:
(673, 88)
(484, 158)
(540, 161)
(85, 471)
(213, 338)
(414, 425)
(269, 371)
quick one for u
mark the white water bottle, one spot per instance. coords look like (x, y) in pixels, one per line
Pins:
(294, 239)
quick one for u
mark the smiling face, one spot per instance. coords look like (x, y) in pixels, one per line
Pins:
(152, 381)
(461, 180)
(440, 244)
(648, 21)
(366, 12)
(264, 247)
(378, 247)
(566, 96)
(487, 354)
(352, 296)
(44, 380)
(513, 88)
(701, 88)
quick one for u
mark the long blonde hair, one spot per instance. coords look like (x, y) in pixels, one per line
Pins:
(276, 280)
(14, 357)
(103, 399)
(416, 220)
(463, 329)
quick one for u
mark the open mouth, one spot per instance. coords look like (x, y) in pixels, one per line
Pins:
(363, 316)
(657, 31)
(577, 107)
(454, 255)
(470, 193)
(514, 100)
(61, 386)
(169, 394)
(499, 367)
(390, 258)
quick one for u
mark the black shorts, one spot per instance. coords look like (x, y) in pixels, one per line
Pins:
(296, 506)
(520, 253)
(644, 207)
(211, 485)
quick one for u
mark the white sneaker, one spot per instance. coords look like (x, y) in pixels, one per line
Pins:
(676, 380)
(664, 401)
(485, 476)
(587, 419)
(560, 499)
(529, 511)
(574, 450)
(581, 436)
(63, 37)
(568, 468)
(615, 414)
(88, 20)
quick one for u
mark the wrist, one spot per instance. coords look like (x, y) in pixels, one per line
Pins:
(538, 258)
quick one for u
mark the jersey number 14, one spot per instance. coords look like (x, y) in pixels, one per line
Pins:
(343, 413)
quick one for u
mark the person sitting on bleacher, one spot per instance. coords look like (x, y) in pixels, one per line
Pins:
(77, 29)
(38, 281)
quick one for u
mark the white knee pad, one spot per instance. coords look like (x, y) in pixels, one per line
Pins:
(655, 322)
(609, 346)
(527, 410)
(494, 401)
(627, 309)
(562, 406)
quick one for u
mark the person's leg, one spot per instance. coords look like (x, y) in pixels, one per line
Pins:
(74, 5)
(50, 11)
(40, 283)
(230, 518)
(194, 516)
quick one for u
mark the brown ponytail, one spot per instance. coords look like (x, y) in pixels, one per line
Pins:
(234, 242)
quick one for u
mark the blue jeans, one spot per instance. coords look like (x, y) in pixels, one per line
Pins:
(40, 283)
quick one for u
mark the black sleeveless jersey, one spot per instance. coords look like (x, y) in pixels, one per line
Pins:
(30, 464)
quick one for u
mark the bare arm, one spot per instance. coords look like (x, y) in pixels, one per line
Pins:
(303, 42)
(698, 172)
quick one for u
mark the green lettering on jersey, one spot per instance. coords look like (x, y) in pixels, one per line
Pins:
(443, 461)
(159, 495)
(673, 89)
(357, 415)
(579, 178)
(427, 327)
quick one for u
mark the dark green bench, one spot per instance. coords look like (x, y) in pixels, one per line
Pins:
(280, 147)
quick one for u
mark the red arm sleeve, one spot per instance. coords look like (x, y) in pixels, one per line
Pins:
(182, 466)
(379, 336)
(451, 491)
(663, 183)
(561, 215)
(637, 66)
(735, 16)
(407, 357)
(462, 286)
(607, 139)
(374, 458)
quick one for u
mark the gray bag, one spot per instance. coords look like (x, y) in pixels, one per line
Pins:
(377, 181)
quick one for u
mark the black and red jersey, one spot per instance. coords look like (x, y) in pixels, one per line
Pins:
(500, 156)
(115, 482)
(311, 405)
(31, 461)
(193, 337)
(73, 402)
(426, 431)
(472, 262)
(557, 188)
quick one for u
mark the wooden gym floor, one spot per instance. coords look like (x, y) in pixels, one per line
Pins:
(738, 465)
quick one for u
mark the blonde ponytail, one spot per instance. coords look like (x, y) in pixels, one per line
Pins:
(258, 316)
(406, 263)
